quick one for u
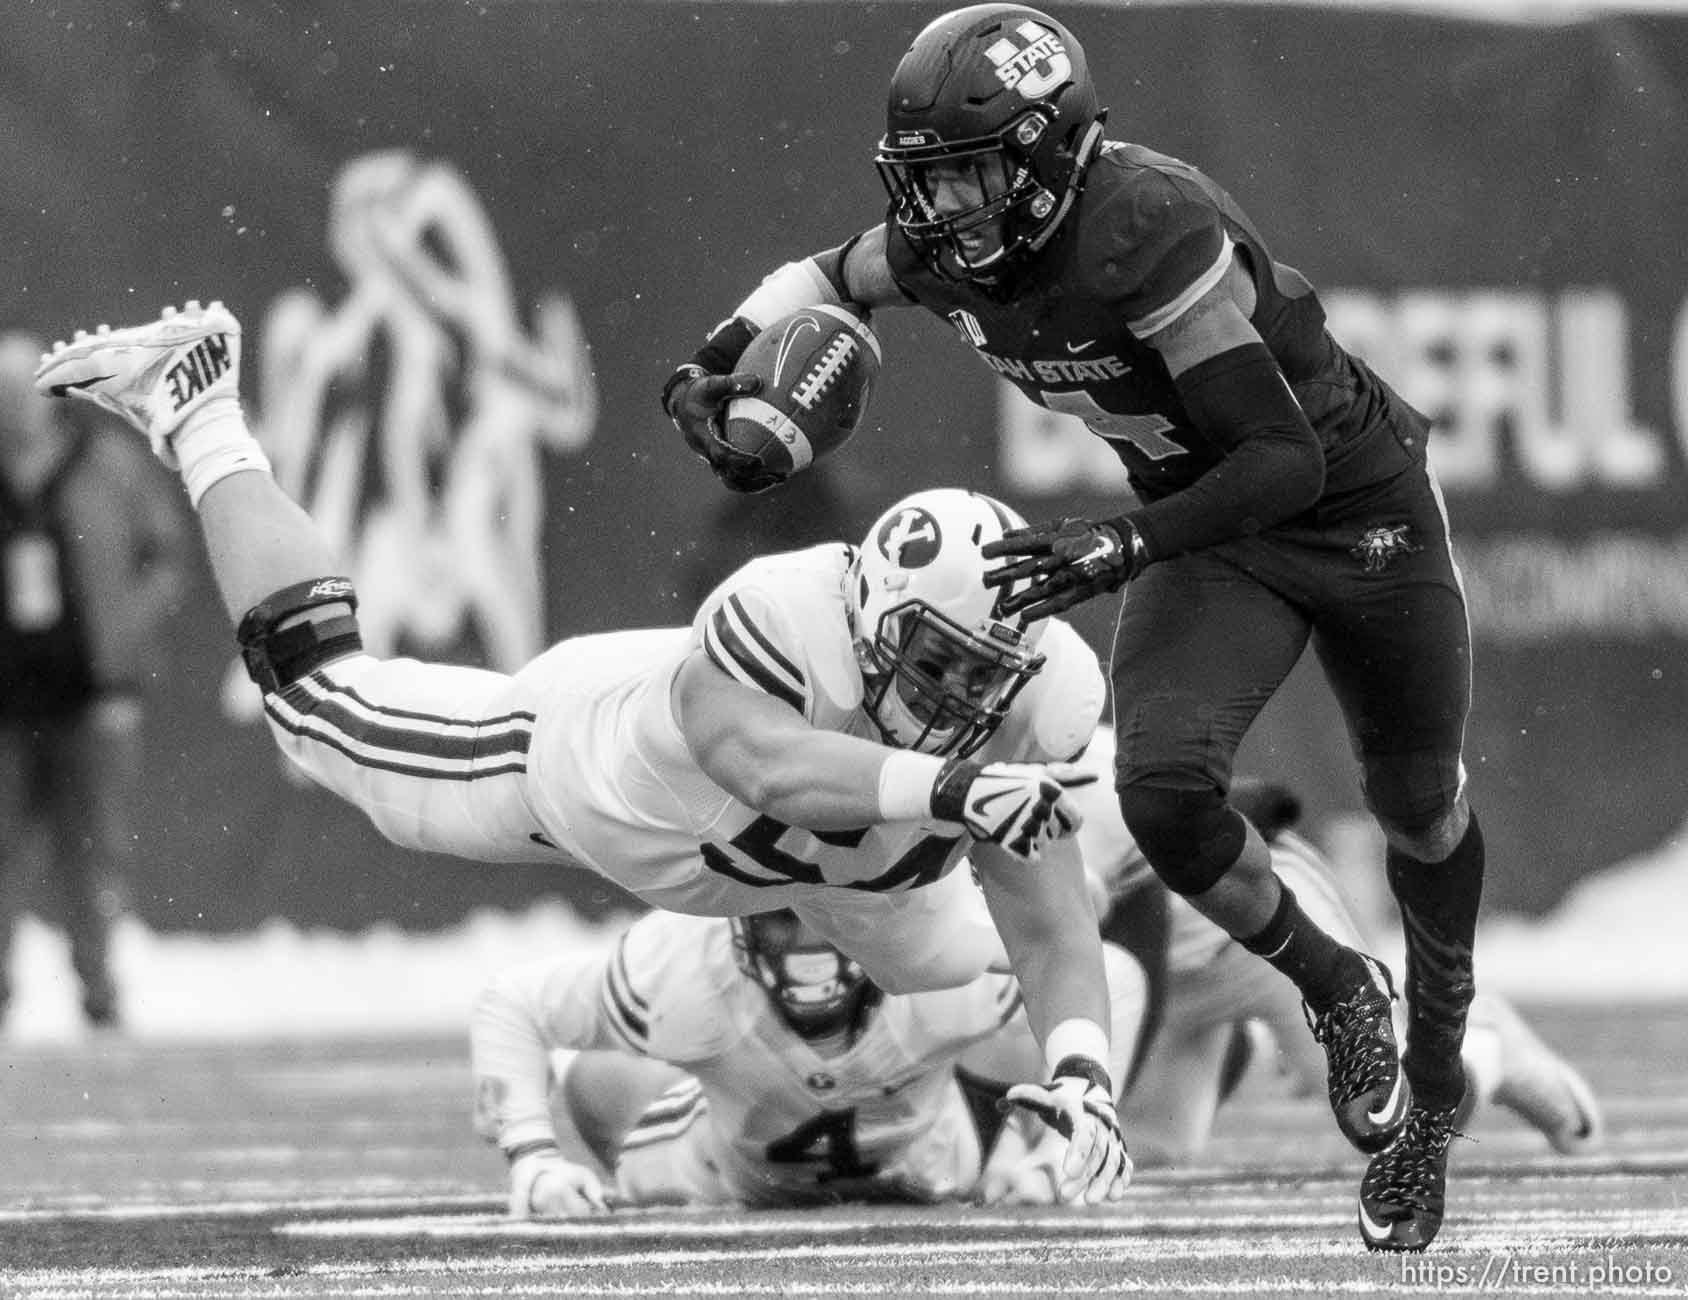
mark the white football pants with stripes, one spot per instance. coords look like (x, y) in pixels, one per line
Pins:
(437, 756)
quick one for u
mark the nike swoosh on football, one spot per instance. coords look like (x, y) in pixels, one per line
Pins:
(59, 390)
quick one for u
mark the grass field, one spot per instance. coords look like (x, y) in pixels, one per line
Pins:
(346, 1168)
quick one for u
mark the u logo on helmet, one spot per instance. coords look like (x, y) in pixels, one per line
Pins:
(910, 539)
(1035, 69)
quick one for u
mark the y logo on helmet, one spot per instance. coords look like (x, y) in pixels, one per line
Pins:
(1035, 69)
(910, 538)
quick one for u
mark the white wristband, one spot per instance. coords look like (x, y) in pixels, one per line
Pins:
(905, 786)
(1075, 1037)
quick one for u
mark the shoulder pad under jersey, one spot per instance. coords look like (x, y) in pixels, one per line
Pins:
(778, 625)
(665, 986)
(1152, 239)
(1054, 715)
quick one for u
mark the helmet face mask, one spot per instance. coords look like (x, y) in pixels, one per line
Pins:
(940, 667)
(991, 121)
(816, 989)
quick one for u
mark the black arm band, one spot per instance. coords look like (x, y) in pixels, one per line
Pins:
(724, 346)
(1082, 1067)
(277, 657)
(718, 356)
(1274, 465)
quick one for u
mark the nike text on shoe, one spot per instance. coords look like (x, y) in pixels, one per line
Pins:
(1405, 1186)
(1368, 1089)
(154, 376)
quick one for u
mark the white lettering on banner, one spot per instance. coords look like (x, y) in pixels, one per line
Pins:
(1531, 588)
(430, 485)
(1550, 376)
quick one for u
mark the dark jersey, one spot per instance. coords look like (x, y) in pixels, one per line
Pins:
(1147, 237)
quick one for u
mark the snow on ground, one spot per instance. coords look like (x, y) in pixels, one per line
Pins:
(1617, 937)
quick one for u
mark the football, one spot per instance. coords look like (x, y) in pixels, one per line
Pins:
(817, 367)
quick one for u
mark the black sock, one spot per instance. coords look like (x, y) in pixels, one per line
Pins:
(1439, 903)
(1323, 969)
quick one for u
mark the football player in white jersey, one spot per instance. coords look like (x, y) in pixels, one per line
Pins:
(803, 1083)
(837, 728)
(1214, 990)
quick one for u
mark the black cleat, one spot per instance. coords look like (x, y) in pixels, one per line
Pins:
(1368, 1089)
(1402, 1194)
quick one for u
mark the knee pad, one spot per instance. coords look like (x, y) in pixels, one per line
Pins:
(1190, 837)
(275, 659)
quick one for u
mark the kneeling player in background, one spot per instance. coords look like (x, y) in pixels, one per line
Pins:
(798, 1081)
(1210, 999)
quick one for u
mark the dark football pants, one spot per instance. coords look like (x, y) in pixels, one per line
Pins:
(1204, 640)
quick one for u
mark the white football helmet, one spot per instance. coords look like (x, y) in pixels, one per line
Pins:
(816, 989)
(940, 665)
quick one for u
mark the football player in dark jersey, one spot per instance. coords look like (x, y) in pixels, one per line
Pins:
(1283, 496)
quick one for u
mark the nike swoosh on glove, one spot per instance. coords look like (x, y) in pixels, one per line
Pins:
(1067, 561)
(1079, 1104)
(1021, 806)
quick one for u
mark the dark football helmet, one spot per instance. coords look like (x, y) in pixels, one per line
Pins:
(817, 990)
(995, 98)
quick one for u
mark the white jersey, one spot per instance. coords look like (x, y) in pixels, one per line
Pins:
(625, 795)
(578, 756)
(773, 1120)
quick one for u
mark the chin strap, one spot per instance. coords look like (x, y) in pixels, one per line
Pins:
(1081, 160)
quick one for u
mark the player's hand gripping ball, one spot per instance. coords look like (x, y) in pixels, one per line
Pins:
(817, 367)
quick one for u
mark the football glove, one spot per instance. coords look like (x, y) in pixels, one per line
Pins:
(545, 1185)
(696, 400)
(1021, 806)
(1078, 1103)
(1067, 561)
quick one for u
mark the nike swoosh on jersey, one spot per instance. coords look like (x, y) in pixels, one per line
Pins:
(1076, 348)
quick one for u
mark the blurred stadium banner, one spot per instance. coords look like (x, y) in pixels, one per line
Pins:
(469, 240)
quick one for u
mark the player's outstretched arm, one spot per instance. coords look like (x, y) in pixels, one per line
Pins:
(767, 755)
(1048, 926)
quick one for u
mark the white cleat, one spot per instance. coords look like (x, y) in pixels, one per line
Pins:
(1538, 1084)
(154, 376)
